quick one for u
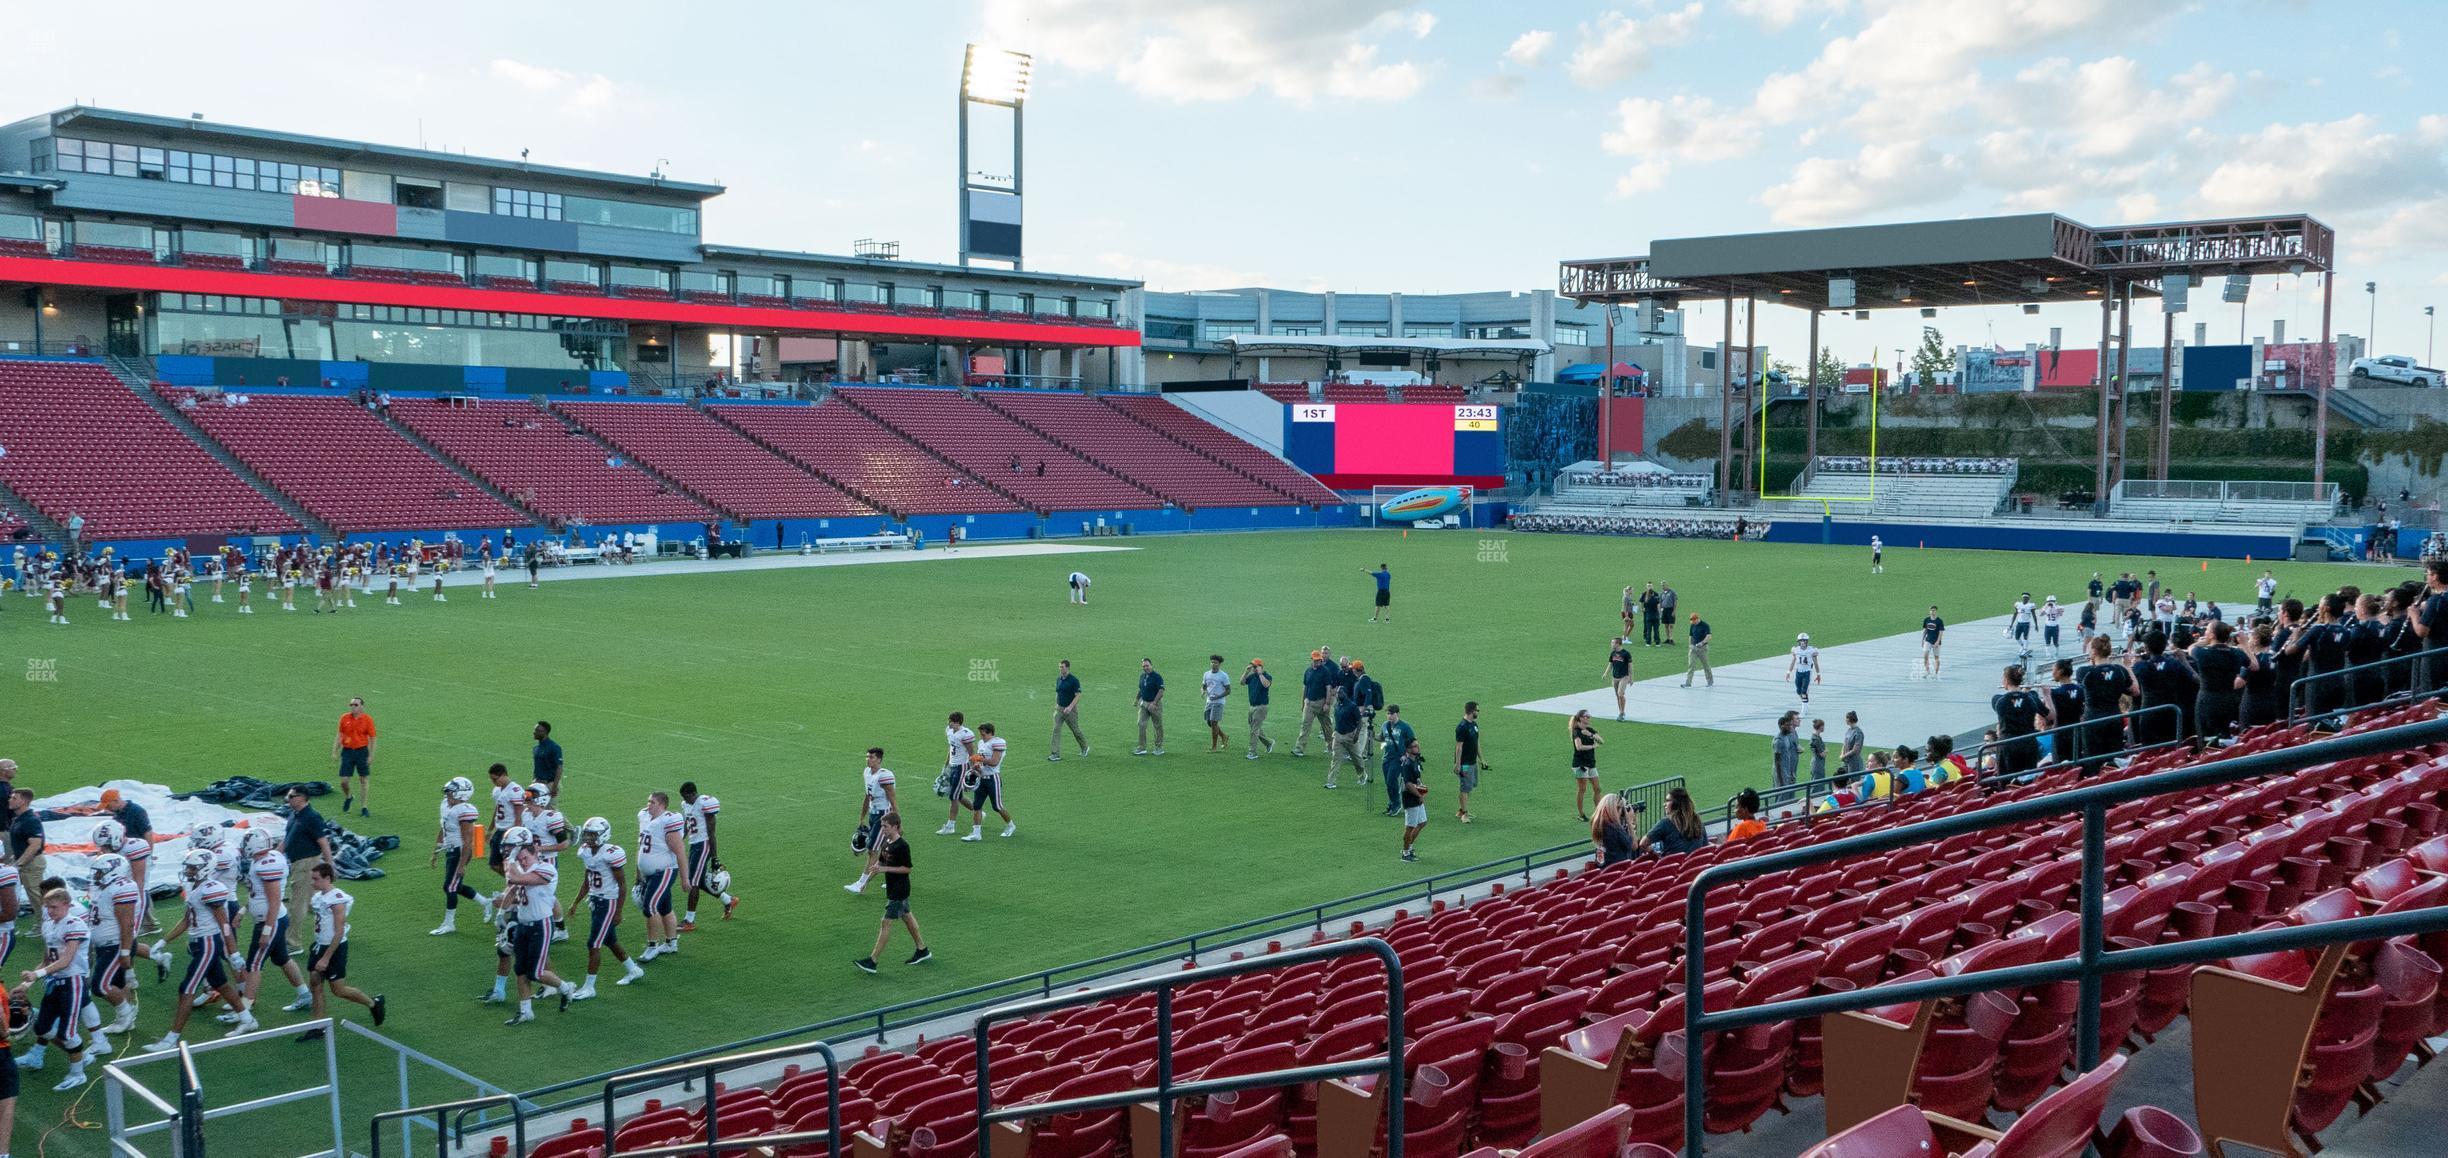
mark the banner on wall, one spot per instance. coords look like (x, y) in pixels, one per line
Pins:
(221, 347)
(1995, 371)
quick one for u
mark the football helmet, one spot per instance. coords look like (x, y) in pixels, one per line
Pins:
(719, 881)
(596, 830)
(257, 842)
(539, 798)
(196, 866)
(109, 867)
(108, 835)
(458, 789)
(517, 836)
(204, 836)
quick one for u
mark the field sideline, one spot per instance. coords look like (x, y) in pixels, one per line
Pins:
(766, 686)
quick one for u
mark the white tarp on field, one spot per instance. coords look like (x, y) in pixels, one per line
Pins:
(68, 841)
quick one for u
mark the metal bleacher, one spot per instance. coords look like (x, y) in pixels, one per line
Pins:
(1599, 488)
(1907, 488)
(2263, 504)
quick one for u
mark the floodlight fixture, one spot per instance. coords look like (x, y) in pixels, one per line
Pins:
(995, 76)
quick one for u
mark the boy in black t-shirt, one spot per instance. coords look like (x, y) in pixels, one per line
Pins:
(893, 860)
(1414, 798)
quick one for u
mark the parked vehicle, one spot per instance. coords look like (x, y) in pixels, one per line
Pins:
(2392, 369)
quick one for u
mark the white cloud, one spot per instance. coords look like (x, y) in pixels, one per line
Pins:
(578, 95)
(2109, 109)
(1617, 47)
(1686, 128)
(1209, 50)
(1644, 179)
(1529, 49)
(2334, 167)
(1838, 190)
(1777, 15)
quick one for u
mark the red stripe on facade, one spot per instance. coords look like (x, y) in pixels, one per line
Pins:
(174, 279)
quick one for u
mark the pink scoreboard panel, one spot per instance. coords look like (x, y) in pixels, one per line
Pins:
(1352, 446)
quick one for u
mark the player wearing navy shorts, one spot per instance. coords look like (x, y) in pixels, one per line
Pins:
(113, 943)
(531, 899)
(607, 887)
(698, 813)
(63, 976)
(329, 952)
(207, 931)
(267, 903)
(454, 845)
(659, 860)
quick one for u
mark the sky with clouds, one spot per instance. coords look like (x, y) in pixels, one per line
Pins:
(1360, 145)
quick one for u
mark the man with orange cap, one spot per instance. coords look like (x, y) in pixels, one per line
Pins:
(1316, 683)
(130, 815)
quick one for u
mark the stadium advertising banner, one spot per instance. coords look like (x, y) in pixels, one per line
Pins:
(1354, 446)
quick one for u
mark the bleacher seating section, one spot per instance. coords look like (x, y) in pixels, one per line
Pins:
(80, 442)
(713, 460)
(1184, 477)
(345, 466)
(212, 261)
(23, 247)
(1542, 1010)
(1286, 391)
(2258, 513)
(983, 441)
(864, 456)
(1353, 392)
(1436, 393)
(531, 456)
(296, 268)
(1211, 440)
(1912, 496)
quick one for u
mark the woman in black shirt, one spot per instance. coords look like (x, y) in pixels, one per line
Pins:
(2220, 702)
(2104, 683)
(2367, 643)
(1680, 831)
(2165, 679)
(2066, 708)
(2262, 703)
(2397, 639)
(1585, 743)
(2021, 713)
(2322, 646)
(1611, 831)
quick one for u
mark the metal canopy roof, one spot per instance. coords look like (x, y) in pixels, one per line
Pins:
(1976, 261)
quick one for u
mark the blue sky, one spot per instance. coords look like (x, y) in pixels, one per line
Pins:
(1366, 146)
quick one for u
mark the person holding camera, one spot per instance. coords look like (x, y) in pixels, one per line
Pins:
(1414, 798)
(1611, 830)
(1256, 683)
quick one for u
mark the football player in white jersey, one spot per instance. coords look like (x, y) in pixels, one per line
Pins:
(329, 952)
(208, 902)
(960, 744)
(698, 812)
(224, 849)
(876, 798)
(454, 837)
(553, 834)
(2020, 622)
(2052, 624)
(267, 902)
(987, 791)
(509, 810)
(658, 858)
(607, 886)
(63, 976)
(111, 836)
(533, 882)
(113, 942)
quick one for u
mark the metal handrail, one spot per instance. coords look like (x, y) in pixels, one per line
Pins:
(191, 1105)
(883, 1020)
(442, 1110)
(704, 1072)
(1166, 1091)
(2094, 961)
(2298, 701)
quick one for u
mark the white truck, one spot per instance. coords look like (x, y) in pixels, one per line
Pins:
(2392, 369)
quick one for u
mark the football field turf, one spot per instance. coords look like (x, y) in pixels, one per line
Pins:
(765, 687)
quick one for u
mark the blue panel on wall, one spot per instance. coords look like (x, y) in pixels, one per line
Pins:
(484, 378)
(184, 369)
(490, 229)
(2216, 367)
(347, 373)
(1479, 452)
(602, 380)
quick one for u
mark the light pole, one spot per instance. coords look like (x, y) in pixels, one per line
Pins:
(2430, 334)
(2371, 332)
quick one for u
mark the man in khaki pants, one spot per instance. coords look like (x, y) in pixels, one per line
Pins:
(1317, 682)
(1066, 711)
(307, 843)
(1151, 708)
(1256, 683)
(1698, 661)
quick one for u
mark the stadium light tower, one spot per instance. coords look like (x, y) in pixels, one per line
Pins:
(990, 201)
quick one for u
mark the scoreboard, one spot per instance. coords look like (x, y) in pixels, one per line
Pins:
(1353, 446)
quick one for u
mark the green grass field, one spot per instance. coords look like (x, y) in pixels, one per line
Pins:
(765, 687)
